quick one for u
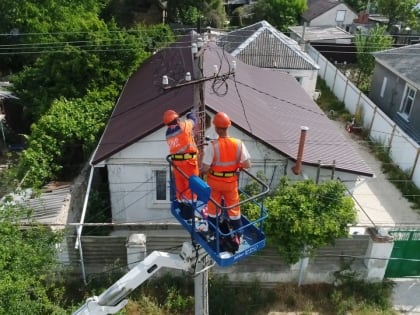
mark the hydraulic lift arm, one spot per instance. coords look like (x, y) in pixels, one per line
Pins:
(114, 298)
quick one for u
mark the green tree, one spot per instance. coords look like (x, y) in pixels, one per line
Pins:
(27, 265)
(399, 11)
(366, 43)
(279, 13)
(306, 215)
(90, 60)
(30, 26)
(65, 135)
(211, 12)
(357, 5)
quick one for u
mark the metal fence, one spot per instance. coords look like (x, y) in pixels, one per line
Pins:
(403, 150)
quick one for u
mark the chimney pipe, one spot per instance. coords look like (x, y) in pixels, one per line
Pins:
(298, 166)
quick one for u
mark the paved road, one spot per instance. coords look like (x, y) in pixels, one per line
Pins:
(382, 204)
(406, 297)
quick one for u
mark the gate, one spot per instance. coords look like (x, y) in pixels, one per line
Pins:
(405, 256)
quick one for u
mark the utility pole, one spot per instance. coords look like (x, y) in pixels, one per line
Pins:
(201, 286)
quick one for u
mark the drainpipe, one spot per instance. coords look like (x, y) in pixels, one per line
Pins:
(78, 244)
(297, 169)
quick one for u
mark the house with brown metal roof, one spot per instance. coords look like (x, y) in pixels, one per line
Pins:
(262, 45)
(269, 109)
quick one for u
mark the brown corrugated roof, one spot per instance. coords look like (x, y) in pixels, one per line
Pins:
(142, 102)
(272, 106)
(267, 104)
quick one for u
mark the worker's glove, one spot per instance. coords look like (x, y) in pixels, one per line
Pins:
(192, 115)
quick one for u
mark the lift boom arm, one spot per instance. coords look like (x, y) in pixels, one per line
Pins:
(113, 299)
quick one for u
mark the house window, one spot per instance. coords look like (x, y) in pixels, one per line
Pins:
(161, 184)
(383, 86)
(341, 15)
(408, 101)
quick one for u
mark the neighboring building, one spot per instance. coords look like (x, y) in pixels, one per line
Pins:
(395, 85)
(263, 46)
(320, 34)
(328, 13)
(267, 109)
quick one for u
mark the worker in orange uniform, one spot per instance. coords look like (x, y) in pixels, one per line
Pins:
(183, 151)
(222, 160)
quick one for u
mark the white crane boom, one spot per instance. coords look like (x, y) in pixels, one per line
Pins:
(114, 298)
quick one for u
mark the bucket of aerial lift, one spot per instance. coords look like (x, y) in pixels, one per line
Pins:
(208, 235)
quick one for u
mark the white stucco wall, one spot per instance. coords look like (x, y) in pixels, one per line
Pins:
(308, 79)
(329, 17)
(132, 181)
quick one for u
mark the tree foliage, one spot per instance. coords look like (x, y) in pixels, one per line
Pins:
(279, 13)
(65, 135)
(27, 265)
(399, 11)
(30, 26)
(366, 43)
(357, 5)
(306, 215)
(92, 60)
(211, 12)
(81, 76)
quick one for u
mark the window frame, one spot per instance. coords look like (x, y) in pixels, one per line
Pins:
(383, 87)
(161, 185)
(405, 101)
(338, 14)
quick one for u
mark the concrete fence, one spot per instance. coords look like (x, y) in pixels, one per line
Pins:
(365, 252)
(402, 149)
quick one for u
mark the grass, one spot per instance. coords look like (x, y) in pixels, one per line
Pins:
(174, 295)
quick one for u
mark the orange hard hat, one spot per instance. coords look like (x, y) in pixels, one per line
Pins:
(221, 120)
(169, 116)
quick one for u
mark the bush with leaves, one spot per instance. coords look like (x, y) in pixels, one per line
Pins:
(307, 215)
(68, 126)
(27, 265)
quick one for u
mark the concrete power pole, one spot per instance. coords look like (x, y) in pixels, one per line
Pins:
(201, 280)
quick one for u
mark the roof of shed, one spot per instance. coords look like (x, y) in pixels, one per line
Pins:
(262, 45)
(403, 60)
(316, 33)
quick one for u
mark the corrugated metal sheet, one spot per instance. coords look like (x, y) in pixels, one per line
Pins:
(143, 101)
(50, 207)
(271, 106)
(262, 45)
(267, 104)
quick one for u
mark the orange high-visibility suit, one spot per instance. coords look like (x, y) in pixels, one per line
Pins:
(225, 157)
(183, 150)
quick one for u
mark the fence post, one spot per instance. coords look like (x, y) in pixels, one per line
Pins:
(335, 78)
(345, 89)
(415, 164)
(378, 253)
(391, 138)
(358, 102)
(373, 119)
(326, 66)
